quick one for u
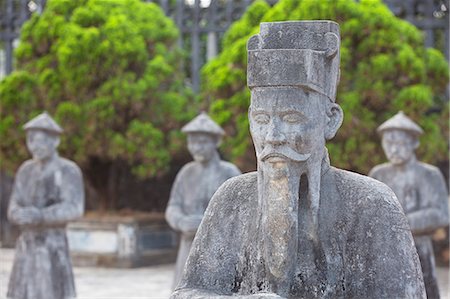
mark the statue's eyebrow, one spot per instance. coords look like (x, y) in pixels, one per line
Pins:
(290, 111)
(258, 111)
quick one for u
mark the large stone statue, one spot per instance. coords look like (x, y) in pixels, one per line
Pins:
(196, 183)
(48, 192)
(299, 228)
(419, 187)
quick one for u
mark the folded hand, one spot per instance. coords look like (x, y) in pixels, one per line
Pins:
(27, 216)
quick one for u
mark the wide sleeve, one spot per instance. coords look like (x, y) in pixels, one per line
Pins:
(17, 196)
(434, 214)
(210, 268)
(381, 259)
(174, 211)
(70, 205)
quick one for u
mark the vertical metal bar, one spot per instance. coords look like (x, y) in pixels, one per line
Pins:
(195, 55)
(179, 21)
(409, 11)
(447, 42)
(9, 37)
(429, 29)
(23, 12)
(41, 6)
(8, 57)
(212, 43)
(229, 12)
(211, 46)
(165, 6)
(429, 38)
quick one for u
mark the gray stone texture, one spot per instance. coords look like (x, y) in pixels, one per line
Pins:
(299, 228)
(196, 183)
(420, 188)
(48, 192)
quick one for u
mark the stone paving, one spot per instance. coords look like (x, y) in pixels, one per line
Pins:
(141, 283)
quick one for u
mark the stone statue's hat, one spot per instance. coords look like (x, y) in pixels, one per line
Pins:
(43, 122)
(203, 124)
(295, 53)
(400, 122)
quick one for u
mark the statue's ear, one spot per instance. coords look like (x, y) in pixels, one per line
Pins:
(218, 141)
(56, 141)
(416, 142)
(335, 116)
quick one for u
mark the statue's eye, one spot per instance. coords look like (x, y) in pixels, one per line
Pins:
(261, 118)
(292, 118)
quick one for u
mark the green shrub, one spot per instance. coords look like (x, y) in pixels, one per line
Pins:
(108, 71)
(384, 68)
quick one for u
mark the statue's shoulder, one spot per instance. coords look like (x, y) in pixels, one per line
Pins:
(369, 204)
(362, 190)
(237, 190)
(380, 169)
(25, 167)
(69, 166)
(186, 170)
(229, 168)
(188, 167)
(425, 169)
(243, 182)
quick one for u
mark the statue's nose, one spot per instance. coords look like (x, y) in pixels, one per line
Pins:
(274, 135)
(394, 149)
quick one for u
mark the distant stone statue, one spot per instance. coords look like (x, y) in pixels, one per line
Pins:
(420, 188)
(196, 183)
(299, 228)
(48, 192)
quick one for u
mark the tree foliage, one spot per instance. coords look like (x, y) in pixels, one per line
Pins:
(384, 68)
(108, 71)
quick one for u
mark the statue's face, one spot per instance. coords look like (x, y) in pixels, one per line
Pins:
(42, 144)
(399, 146)
(202, 146)
(287, 124)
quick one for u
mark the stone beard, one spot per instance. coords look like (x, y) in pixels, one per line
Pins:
(284, 123)
(284, 194)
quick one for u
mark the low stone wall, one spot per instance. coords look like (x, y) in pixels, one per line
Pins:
(122, 241)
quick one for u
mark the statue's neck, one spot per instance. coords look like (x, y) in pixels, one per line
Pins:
(44, 163)
(215, 159)
(407, 165)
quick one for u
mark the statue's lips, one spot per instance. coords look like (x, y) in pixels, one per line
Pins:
(275, 158)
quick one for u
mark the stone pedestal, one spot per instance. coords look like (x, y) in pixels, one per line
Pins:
(121, 241)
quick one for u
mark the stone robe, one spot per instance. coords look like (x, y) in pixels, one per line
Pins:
(190, 195)
(422, 193)
(42, 268)
(365, 247)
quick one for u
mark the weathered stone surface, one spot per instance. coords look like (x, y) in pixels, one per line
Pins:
(48, 192)
(299, 228)
(420, 188)
(196, 183)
